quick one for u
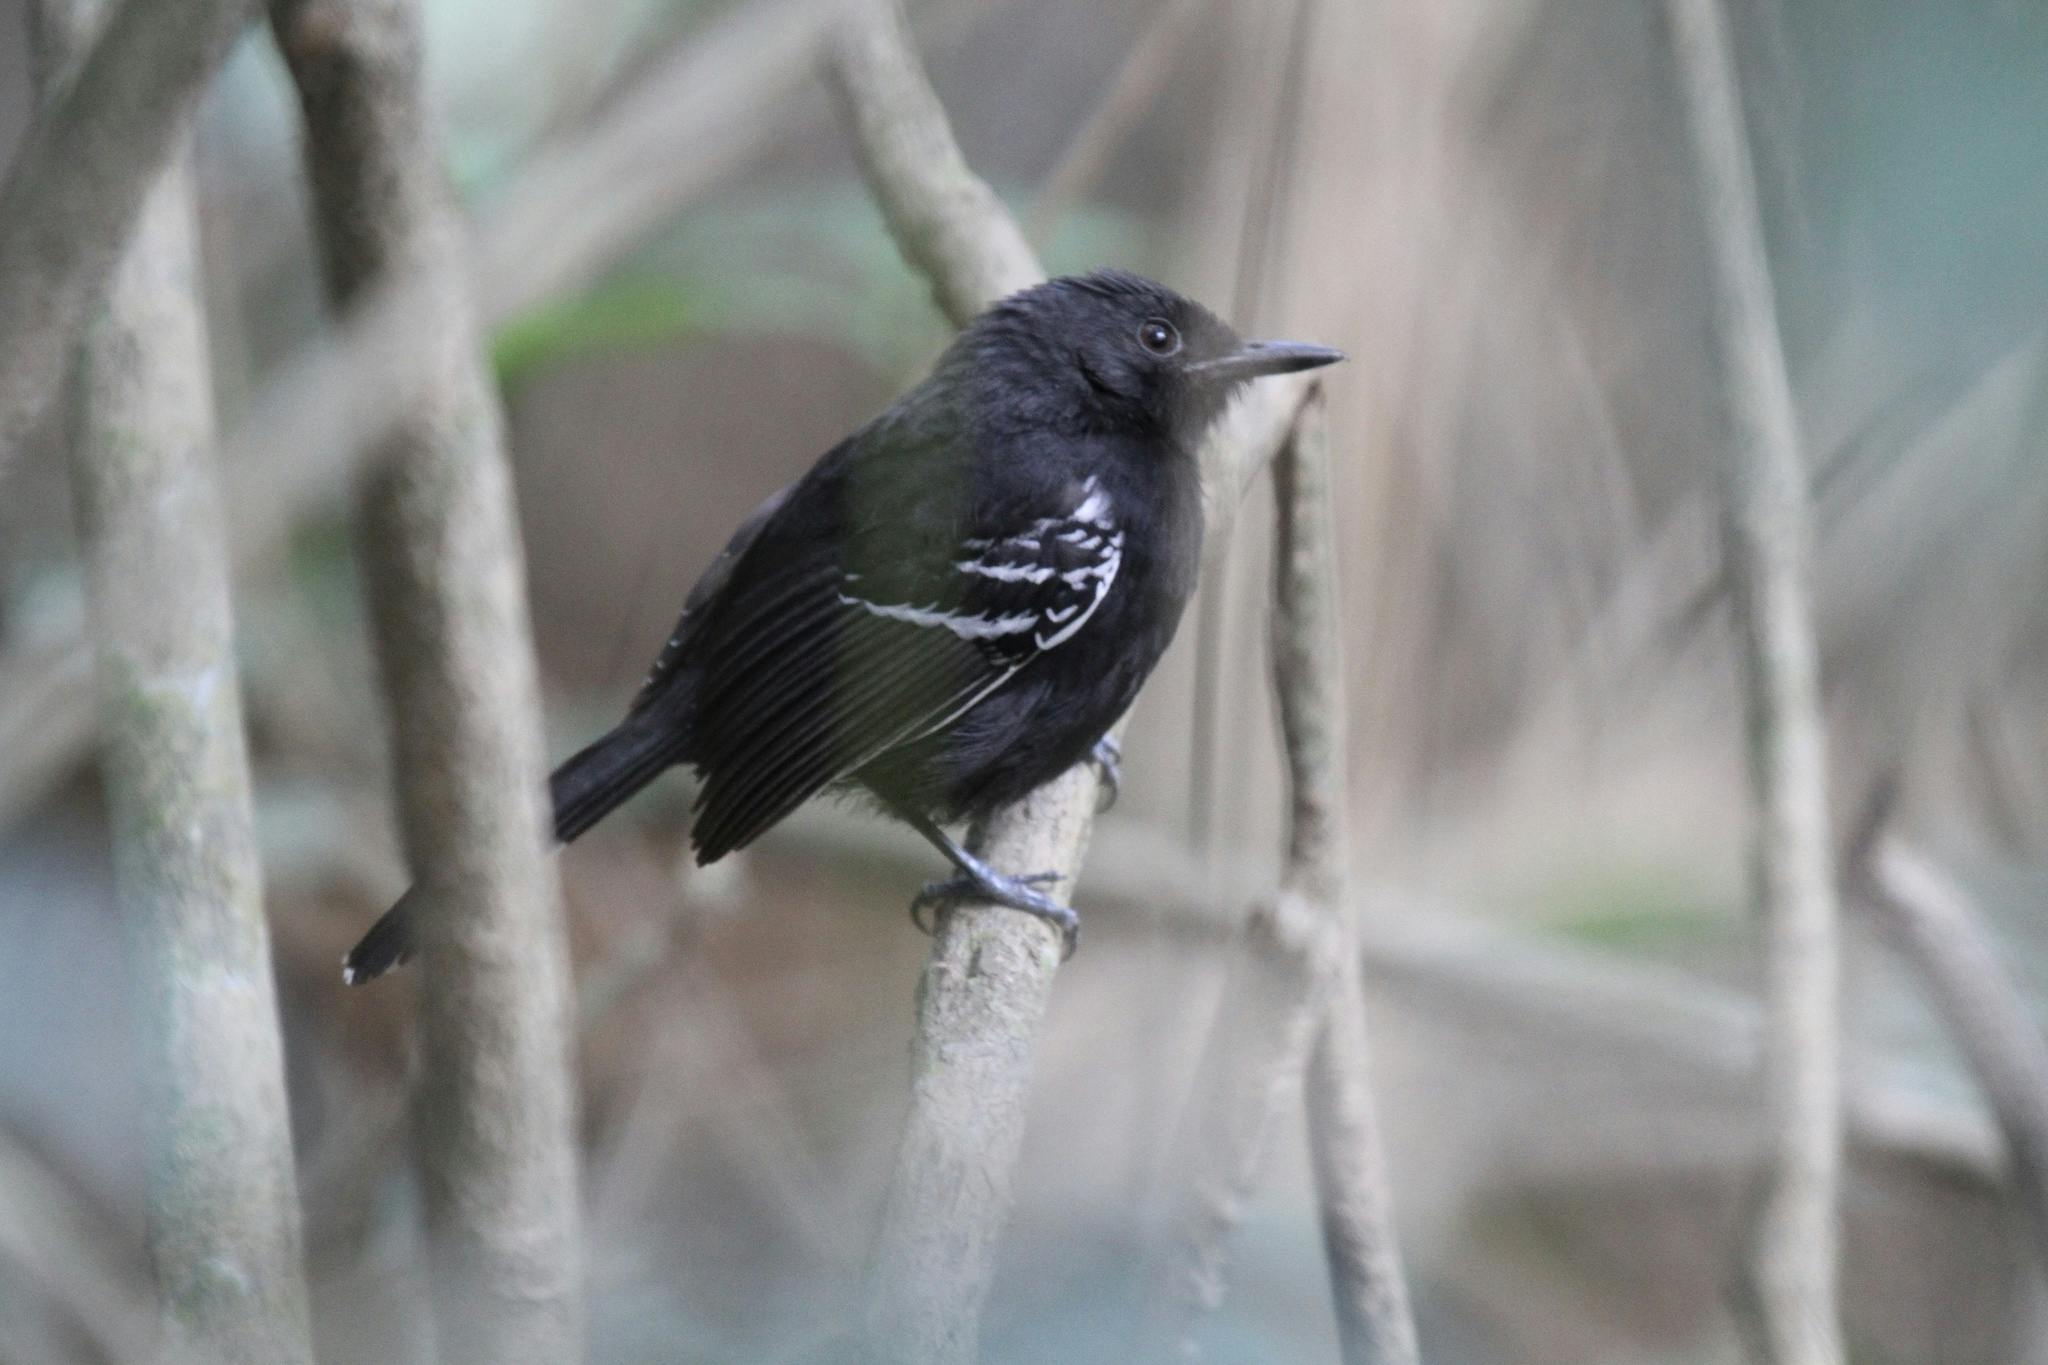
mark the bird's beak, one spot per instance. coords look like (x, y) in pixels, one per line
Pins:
(1256, 358)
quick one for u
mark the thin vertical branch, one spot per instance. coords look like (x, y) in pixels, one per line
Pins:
(87, 162)
(1374, 1323)
(1789, 1267)
(223, 1195)
(1294, 992)
(1251, 1066)
(441, 556)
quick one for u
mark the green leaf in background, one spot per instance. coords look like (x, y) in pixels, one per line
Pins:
(1645, 911)
(623, 313)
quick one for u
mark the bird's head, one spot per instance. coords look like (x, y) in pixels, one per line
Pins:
(1117, 350)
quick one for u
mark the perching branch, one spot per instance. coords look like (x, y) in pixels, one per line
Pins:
(1295, 991)
(1789, 1265)
(1929, 921)
(78, 182)
(223, 1197)
(440, 550)
(985, 988)
(984, 991)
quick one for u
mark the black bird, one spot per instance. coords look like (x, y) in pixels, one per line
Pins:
(956, 603)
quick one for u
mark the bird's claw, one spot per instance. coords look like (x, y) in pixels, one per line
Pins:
(1108, 758)
(999, 889)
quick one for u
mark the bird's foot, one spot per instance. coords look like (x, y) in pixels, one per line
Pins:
(1108, 758)
(1000, 889)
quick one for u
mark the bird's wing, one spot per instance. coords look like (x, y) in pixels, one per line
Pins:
(707, 587)
(842, 661)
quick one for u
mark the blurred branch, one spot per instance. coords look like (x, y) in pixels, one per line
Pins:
(564, 218)
(692, 118)
(223, 1196)
(57, 1246)
(81, 175)
(442, 562)
(1272, 1004)
(945, 219)
(46, 718)
(1136, 87)
(1789, 1269)
(1929, 921)
(1295, 990)
(1659, 1031)
(1374, 1323)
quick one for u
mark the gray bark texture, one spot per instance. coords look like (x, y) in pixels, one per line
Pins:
(223, 1195)
(1292, 1018)
(1789, 1265)
(439, 545)
(109, 124)
(1928, 919)
(984, 991)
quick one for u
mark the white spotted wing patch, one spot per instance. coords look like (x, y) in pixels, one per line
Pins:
(1019, 594)
(980, 626)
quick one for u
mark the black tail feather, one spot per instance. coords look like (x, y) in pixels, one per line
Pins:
(590, 785)
(599, 778)
(389, 943)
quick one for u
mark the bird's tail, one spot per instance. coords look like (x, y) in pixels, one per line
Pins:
(597, 779)
(387, 945)
(589, 785)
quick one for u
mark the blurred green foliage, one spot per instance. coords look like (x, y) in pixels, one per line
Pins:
(1638, 909)
(633, 310)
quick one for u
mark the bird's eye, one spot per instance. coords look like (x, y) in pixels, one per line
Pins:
(1158, 336)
